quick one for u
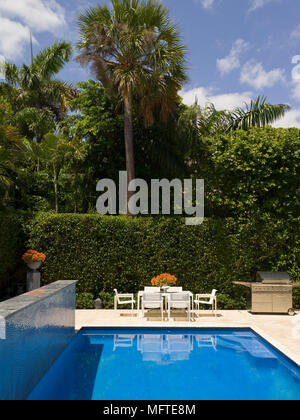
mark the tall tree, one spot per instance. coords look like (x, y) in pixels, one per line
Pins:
(12, 151)
(135, 50)
(38, 99)
(54, 152)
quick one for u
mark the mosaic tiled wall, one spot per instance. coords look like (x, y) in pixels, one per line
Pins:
(34, 329)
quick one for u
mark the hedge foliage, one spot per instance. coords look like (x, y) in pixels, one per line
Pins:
(251, 171)
(104, 253)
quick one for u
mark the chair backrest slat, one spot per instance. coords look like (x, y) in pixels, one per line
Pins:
(152, 289)
(152, 297)
(175, 290)
(180, 297)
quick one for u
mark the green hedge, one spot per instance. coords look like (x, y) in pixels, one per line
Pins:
(11, 240)
(104, 253)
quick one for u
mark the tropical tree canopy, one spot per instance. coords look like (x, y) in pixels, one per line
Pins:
(38, 99)
(135, 47)
(12, 150)
(208, 121)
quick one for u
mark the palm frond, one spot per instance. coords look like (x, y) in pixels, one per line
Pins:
(52, 59)
(257, 114)
(134, 46)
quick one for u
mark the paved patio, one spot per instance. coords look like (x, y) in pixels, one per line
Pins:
(280, 330)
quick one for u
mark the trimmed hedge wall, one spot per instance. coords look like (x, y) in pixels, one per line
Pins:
(104, 253)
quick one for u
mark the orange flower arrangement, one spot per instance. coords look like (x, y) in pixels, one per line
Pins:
(164, 279)
(33, 256)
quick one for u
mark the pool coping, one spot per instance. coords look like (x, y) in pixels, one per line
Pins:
(12, 306)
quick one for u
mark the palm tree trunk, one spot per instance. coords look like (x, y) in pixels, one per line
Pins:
(55, 179)
(129, 145)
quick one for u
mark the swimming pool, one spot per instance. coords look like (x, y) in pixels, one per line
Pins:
(169, 364)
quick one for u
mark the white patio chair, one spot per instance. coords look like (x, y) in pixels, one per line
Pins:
(123, 340)
(179, 301)
(152, 289)
(153, 301)
(175, 290)
(129, 300)
(179, 346)
(151, 347)
(207, 341)
(211, 301)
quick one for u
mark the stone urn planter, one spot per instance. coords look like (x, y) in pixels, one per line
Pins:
(34, 260)
(34, 266)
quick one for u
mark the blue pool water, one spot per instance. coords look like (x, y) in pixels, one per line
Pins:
(169, 364)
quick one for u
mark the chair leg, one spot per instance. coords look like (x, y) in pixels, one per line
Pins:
(162, 312)
(132, 308)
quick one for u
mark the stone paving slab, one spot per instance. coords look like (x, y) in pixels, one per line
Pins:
(281, 331)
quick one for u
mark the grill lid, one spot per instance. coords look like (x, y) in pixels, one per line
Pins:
(267, 277)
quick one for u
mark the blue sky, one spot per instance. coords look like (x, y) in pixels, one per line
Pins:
(239, 49)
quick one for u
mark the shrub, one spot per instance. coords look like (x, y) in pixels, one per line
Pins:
(251, 171)
(85, 301)
(104, 253)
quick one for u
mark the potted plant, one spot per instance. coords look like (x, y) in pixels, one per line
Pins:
(33, 259)
(164, 281)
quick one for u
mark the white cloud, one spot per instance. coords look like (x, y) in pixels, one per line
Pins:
(221, 101)
(291, 119)
(40, 15)
(256, 4)
(295, 34)
(207, 4)
(19, 17)
(296, 90)
(227, 64)
(13, 37)
(254, 74)
(2, 59)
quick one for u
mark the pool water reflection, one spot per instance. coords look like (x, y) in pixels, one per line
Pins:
(178, 364)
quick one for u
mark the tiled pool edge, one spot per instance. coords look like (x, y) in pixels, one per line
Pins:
(35, 328)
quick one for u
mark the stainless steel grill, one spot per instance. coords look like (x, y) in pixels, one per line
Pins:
(271, 293)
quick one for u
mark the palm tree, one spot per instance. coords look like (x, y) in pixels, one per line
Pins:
(135, 51)
(207, 121)
(53, 153)
(257, 114)
(12, 149)
(38, 99)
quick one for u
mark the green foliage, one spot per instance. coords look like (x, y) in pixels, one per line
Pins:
(250, 171)
(104, 253)
(10, 247)
(134, 47)
(38, 100)
(207, 121)
(257, 114)
(85, 301)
